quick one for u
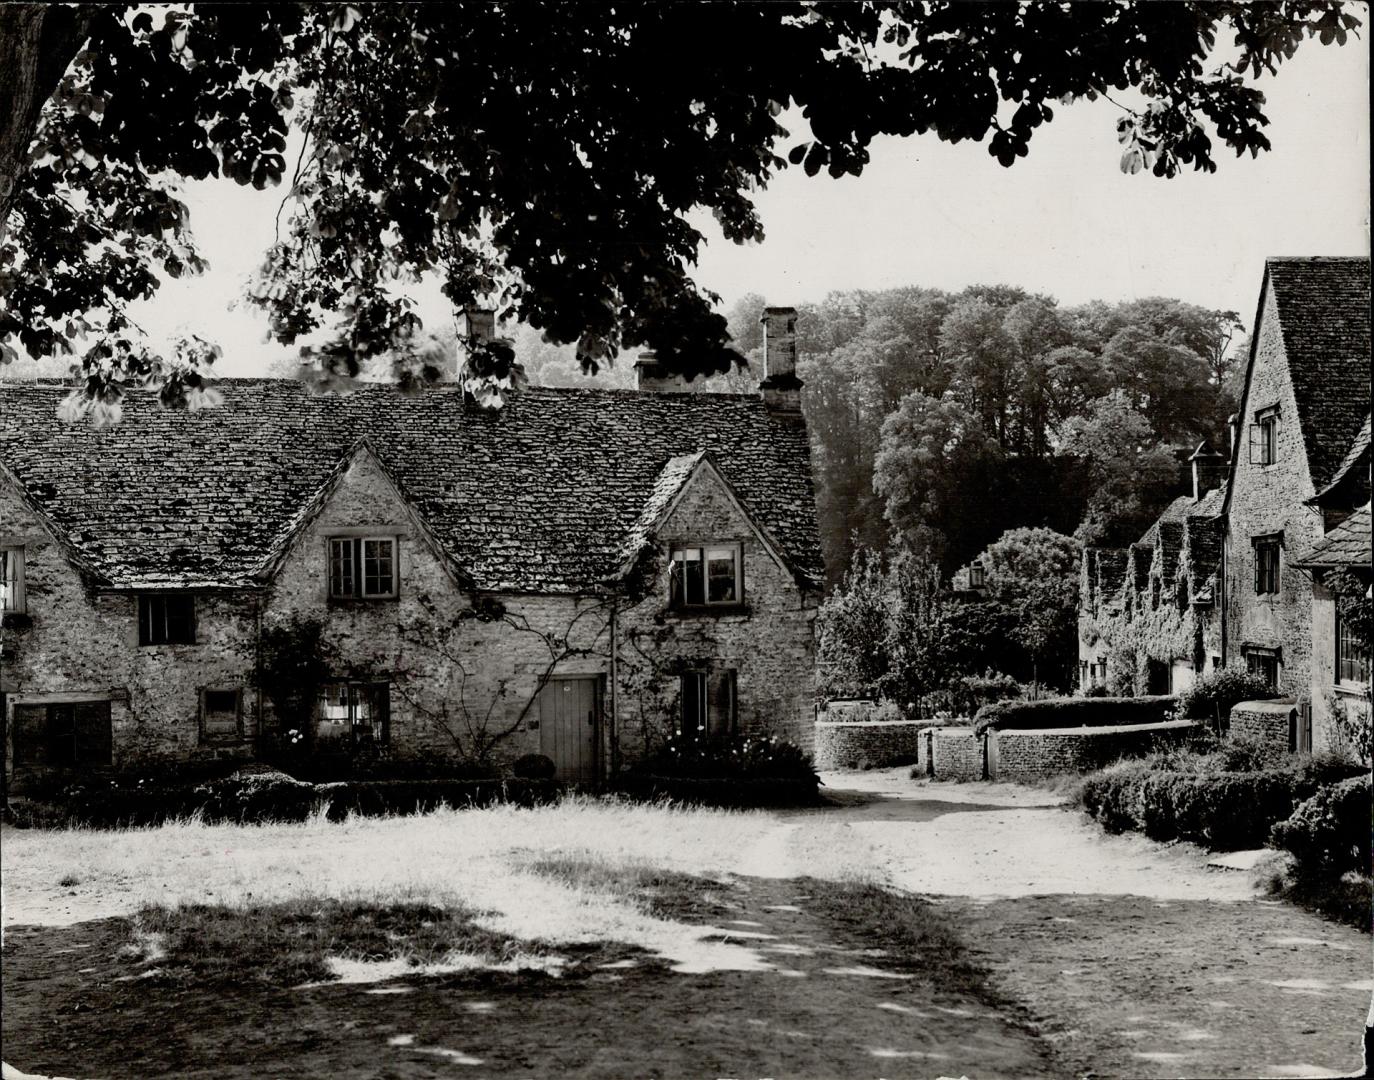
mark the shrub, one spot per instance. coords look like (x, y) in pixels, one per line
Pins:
(969, 693)
(1218, 691)
(1097, 690)
(534, 767)
(1328, 833)
(745, 757)
(1073, 712)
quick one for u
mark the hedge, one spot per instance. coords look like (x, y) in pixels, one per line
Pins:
(1073, 712)
(730, 793)
(1224, 811)
(1329, 833)
(268, 797)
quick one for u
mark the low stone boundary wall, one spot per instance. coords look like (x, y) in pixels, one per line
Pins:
(1031, 755)
(956, 753)
(1266, 722)
(867, 744)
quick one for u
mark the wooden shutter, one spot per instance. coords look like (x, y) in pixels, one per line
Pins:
(93, 739)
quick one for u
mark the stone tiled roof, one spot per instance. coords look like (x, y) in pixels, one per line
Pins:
(1348, 544)
(541, 496)
(1356, 458)
(1170, 545)
(1141, 555)
(1323, 310)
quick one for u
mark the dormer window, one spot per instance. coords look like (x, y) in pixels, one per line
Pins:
(1264, 437)
(705, 575)
(11, 580)
(362, 567)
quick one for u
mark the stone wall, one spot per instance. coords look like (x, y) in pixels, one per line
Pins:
(1267, 500)
(1269, 723)
(862, 745)
(453, 679)
(1030, 755)
(956, 754)
(1328, 694)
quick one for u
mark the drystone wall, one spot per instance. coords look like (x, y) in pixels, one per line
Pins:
(1033, 755)
(867, 745)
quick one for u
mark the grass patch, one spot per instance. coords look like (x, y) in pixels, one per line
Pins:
(1346, 899)
(286, 944)
(664, 894)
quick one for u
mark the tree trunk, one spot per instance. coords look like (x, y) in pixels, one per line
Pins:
(37, 42)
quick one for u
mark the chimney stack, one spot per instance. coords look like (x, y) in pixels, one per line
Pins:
(1209, 469)
(650, 375)
(780, 388)
(481, 323)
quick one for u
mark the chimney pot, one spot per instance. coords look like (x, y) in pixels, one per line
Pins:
(650, 375)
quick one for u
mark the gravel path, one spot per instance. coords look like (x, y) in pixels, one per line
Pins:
(1138, 959)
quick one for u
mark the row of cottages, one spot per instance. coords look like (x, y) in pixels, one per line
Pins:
(579, 574)
(1231, 575)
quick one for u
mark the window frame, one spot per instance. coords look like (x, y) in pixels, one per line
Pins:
(12, 580)
(146, 627)
(1257, 657)
(1264, 437)
(1350, 656)
(379, 727)
(1268, 580)
(978, 578)
(716, 686)
(357, 558)
(705, 547)
(206, 734)
(67, 746)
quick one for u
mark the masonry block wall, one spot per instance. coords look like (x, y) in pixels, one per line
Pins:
(1031, 755)
(454, 680)
(1268, 723)
(1267, 501)
(81, 645)
(862, 745)
(956, 754)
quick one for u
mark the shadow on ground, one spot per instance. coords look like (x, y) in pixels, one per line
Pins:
(833, 999)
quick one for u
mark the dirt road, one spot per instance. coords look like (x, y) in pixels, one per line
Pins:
(1138, 959)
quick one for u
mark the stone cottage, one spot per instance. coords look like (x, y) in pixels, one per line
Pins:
(579, 574)
(1147, 614)
(1307, 387)
(1213, 582)
(1342, 571)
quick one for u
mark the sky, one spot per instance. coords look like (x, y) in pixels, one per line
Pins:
(1064, 220)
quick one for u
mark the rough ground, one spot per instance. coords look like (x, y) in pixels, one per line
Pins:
(1111, 955)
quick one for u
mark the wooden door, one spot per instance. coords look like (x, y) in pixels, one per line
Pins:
(567, 727)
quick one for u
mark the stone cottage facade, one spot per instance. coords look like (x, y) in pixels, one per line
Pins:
(1241, 552)
(1340, 668)
(1147, 614)
(579, 574)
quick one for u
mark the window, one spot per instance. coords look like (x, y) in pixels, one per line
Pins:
(166, 619)
(1267, 572)
(977, 576)
(63, 734)
(1154, 594)
(1264, 663)
(1352, 658)
(1264, 437)
(709, 708)
(705, 576)
(353, 714)
(11, 580)
(219, 714)
(362, 567)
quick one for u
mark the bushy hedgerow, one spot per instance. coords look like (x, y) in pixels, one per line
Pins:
(267, 796)
(1218, 691)
(1073, 712)
(1184, 796)
(1328, 833)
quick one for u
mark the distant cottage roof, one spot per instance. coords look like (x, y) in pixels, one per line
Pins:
(1323, 312)
(1348, 544)
(541, 496)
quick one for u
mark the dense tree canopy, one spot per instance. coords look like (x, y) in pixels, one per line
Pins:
(542, 158)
